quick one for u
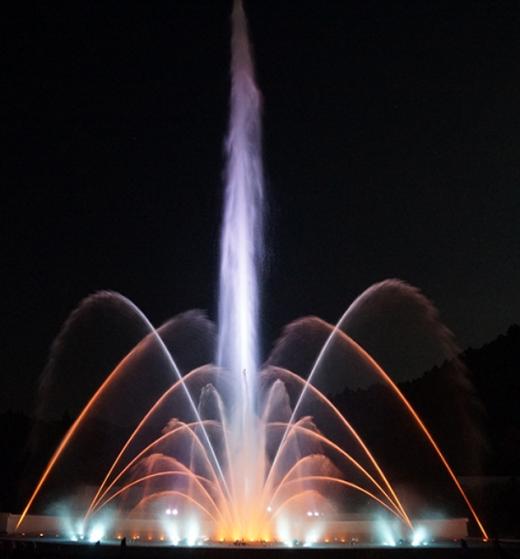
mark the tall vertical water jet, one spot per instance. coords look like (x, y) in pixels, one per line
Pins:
(241, 250)
(241, 240)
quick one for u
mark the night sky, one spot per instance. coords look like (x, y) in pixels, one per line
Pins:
(391, 149)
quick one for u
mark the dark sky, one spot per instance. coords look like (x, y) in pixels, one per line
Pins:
(391, 146)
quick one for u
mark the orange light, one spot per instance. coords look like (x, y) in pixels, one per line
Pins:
(423, 428)
(338, 449)
(98, 496)
(184, 426)
(64, 442)
(353, 432)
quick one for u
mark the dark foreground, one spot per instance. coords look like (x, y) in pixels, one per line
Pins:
(42, 549)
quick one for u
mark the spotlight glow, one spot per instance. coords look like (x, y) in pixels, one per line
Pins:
(193, 533)
(386, 533)
(420, 536)
(97, 533)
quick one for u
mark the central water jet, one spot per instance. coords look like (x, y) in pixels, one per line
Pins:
(241, 252)
(241, 241)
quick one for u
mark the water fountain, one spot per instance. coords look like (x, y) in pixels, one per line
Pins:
(232, 451)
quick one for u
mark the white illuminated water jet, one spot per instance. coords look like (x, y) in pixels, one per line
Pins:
(241, 242)
(241, 251)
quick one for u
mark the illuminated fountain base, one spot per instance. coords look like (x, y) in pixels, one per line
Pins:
(333, 531)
